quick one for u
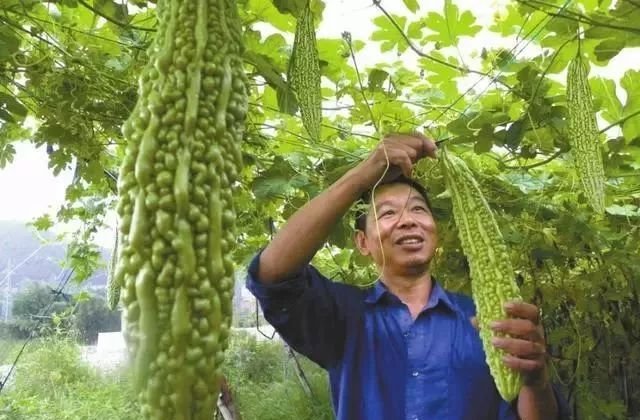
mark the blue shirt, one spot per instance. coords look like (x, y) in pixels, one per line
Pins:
(382, 364)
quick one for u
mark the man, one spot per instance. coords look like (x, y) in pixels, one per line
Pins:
(405, 348)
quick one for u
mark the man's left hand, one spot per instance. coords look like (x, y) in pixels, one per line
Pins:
(525, 346)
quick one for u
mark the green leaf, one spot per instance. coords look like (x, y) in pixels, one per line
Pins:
(7, 153)
(439, 73)
(6, 116)
(631, 84)
(563, 54)
(627, 210)
(92, 171)
(608, 49)
(377, 78)
(43, 223)
(59, 160)
(83, 296)
(483, 144)
(412, 5)
(13, 105)
(111, 9)
(286, 100)
(515, 133)
(275, 181)
(293, 7)
(451, 25)
(9, 42)
(387, 33)
(264, 10)
(604, 91)
(509, 23)
(460, 126)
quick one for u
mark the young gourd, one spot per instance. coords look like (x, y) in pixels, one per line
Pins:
(492, 274)
(583, 134)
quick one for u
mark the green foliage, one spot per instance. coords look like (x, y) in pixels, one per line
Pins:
(265, 386)
(450, 25)
(52, 382)
(581, 270)
(92, 316)
(33, 311)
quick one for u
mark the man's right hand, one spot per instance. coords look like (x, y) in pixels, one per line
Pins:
(401, 152)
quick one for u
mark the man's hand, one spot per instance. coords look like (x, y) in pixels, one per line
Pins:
(526, 345)
(401, 151)
(526, 353)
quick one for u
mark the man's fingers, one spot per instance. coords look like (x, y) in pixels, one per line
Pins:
(523, 310)
(517, 347)
(407, 166)
(402, 160)
(523, 365)
(397, 146)
(429, 147)
(402, 152)
(518, 328)
(421, 145)
(474, 322)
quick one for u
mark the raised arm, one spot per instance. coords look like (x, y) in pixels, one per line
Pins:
(305, 232)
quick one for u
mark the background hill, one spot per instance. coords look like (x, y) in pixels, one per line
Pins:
(36, 257)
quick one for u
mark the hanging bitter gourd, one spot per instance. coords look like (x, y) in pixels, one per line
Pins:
(584, 135)
(492, 274)
(113, 286)
(304, 73)
(176, 218)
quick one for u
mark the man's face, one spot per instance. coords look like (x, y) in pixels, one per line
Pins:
(404, 226)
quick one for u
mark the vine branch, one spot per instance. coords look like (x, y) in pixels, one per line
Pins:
(576, 17)
(347, 37)
(620, 121)
(112, 20)
(535, 165)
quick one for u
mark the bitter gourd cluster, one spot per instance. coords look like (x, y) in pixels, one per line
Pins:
(176, 217)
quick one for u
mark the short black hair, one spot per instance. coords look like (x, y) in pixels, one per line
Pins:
(365, 199)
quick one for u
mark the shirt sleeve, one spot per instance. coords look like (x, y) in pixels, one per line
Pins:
(305, 310)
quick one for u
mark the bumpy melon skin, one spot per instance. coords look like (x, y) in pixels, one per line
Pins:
(492, 275)
(176, 216)
(584, 135)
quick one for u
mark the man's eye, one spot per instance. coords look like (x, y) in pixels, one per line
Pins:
(387, 213)
(419, 208)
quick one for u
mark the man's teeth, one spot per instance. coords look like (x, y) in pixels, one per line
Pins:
(410, 241)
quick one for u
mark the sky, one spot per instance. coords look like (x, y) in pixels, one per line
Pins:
(29, 189)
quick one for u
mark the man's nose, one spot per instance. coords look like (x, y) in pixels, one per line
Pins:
(406, 219)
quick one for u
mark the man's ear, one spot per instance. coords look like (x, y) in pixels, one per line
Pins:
(360, 239)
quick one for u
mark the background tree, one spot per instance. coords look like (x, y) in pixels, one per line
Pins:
(91, 316)
(33, 310)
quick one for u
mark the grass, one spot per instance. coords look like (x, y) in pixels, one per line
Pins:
(52, 382)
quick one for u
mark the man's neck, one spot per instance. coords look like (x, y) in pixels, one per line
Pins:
(413, 290)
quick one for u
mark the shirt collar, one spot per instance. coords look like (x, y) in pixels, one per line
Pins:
(438, 294)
